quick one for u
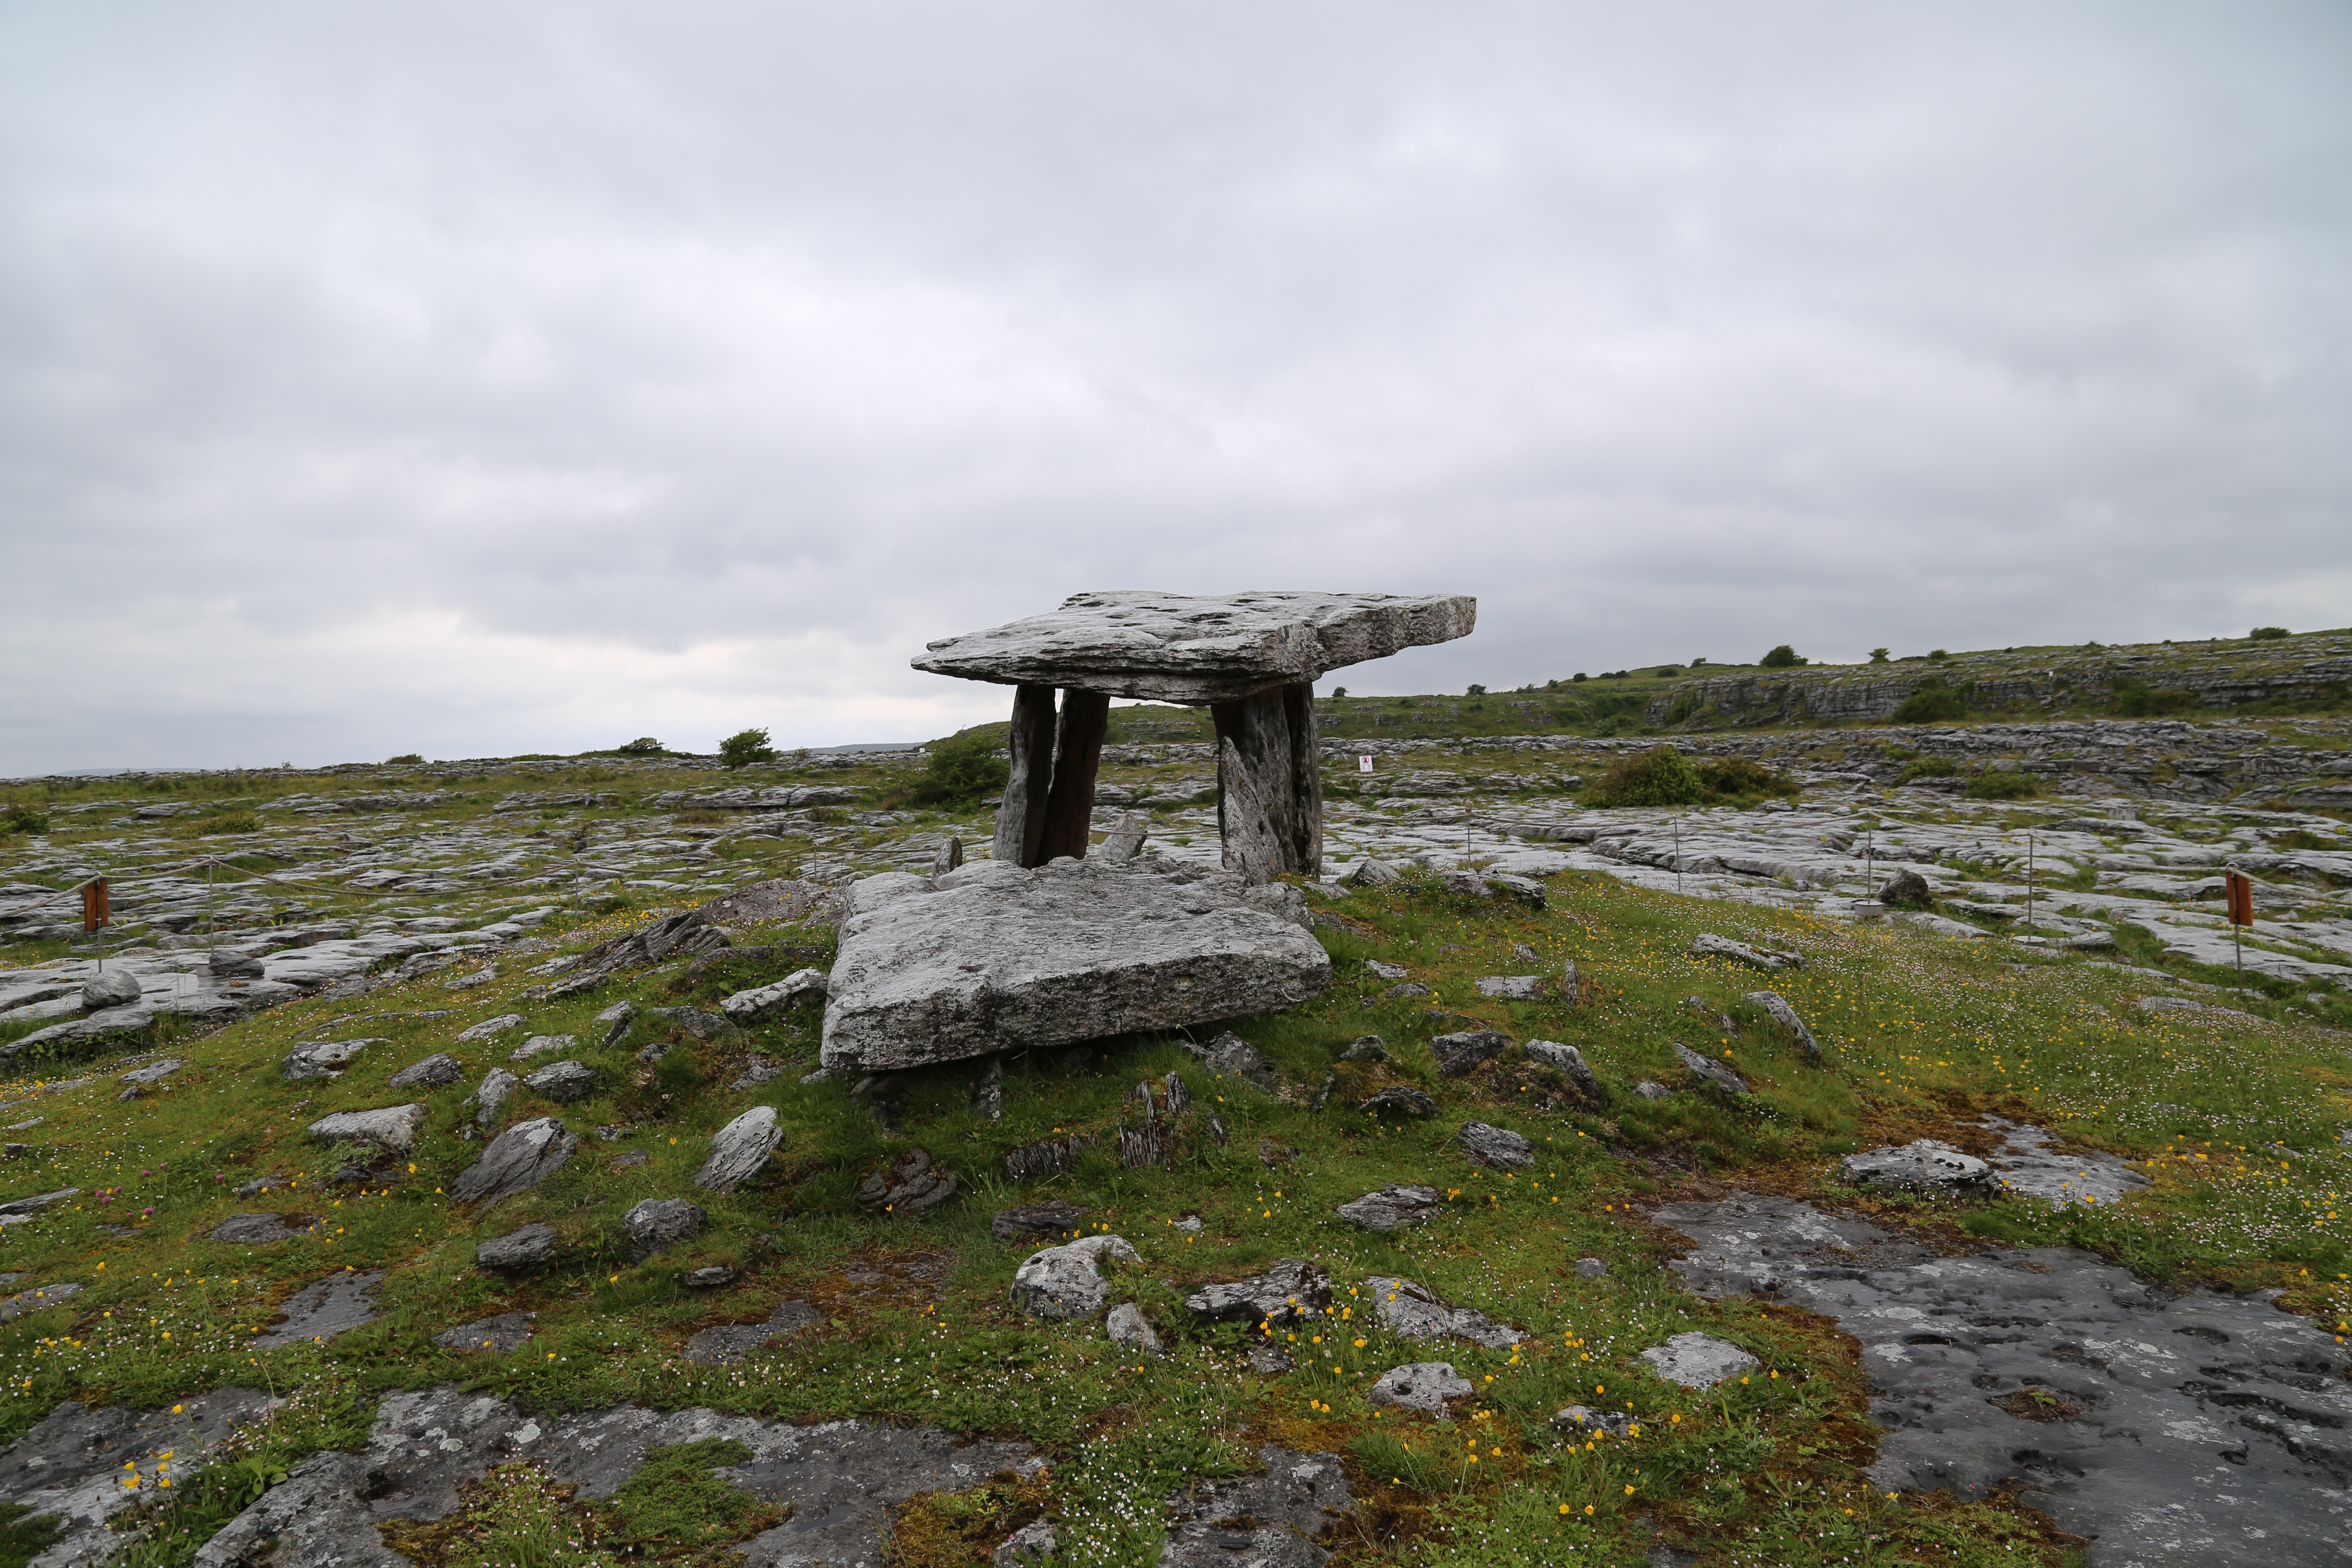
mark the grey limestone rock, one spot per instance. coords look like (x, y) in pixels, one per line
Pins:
(1706, 944)
(728, 1344)
(1372, 873)
(540, 1044)
(1526, 890)
(1419, 1385)
(739, 1149)
(489, 1027)
(1124, 840)
(109, 988)
(1032, 1543)
(1409, 1311)
(391, 1129)
(431, 1073)
(33, 1300)
(1366, 1049)
(906, 1188)
(1405, 1099)
(1260, 1522)
(322, 1058)
(1571, 1063)
(1512, 987)
(1229, 1053)
(657, 1225)
(504, 1334)
(323, 1309)
(1284, 1293)
(1009, 958)
(1908, 890)
(1712, 1071)
(1066, 1281)
(1698, 1361)
(1127, 1326)
(1496, 1146)
(1282, 900)
(616, 1020)
(153, 1072)
(1036, 1221)
(762, 1003)
(496, 1086)
(1650, 1089)
(261, 1229)
(562, 1082)
(1464, 884)
(227, 964)
(1777, 1006)
(1199, 648)
(518, 1251)
(1392, 1208)
(516, 1160)
(1925, 1165)
(1583, 1421)
(1461, 1054)
(1591, 1268)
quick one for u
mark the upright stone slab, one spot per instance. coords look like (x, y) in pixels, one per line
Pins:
(1021, 824)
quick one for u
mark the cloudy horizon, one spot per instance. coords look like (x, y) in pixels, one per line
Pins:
(480, 381)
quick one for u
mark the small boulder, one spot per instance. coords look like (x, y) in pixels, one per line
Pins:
(562, 1082)
(496, 1086)
(1710, 945)
(1036, 1221)
(321, 1059)
(1923, 1166)
(1908, 890)
(1583, 1421)
(1512, 987)
(516, 1160)
(1229, 1053)
(518, 1251)
(109, 988)
(505, 1333)
(1421, 1385)
(1409, 1311)
(1372, 873)
(913, 1186)
(489, 1026)
(657, 1224)
(738, 1149)
(1777, 1007)
(1031, 1544)
(431, 1073)
(227, 964)
(1526, 890)
(1066, 1281)
(1495, 1146)
(762, 1003)
(1127, 1326)
(1650, 1089)
(1591, 1268)
(391, 1129)
(540, 1044)
(1392, 1208)
(1714, 1072)
(1366, 1049)
(1403, 1098)
(1570, 1063)
(616, 1020)
(1289, 1290)
(1459, 1055)
(714, 1276)
(1698, 1361)
(261, 1229)
(1464, 884)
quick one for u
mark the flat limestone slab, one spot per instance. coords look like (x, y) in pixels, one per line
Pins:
(1199, 648)
(998, 958)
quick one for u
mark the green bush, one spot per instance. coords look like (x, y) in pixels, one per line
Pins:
(22, 818)
(2266, 634)
(2003, 784)
(1927, 768)
(2135, 699)
(1738, 776)
(1476, 692)
(405, 759)
(1931, 702)
(1783, 658)
(1659, 776)
(1879, 654)
(962, 769)
(643, 746)
(745, 747)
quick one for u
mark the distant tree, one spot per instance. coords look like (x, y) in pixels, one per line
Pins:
(1878, 656)
(1934, 700)
(2266, 634)
(1478, 692)
(1937, 653)
(643, 746)
(962, 769)
(405, 757)
(745, 747)
(1668, 669)
(1698, 663)
(1577, 676)
(1339, 692)
(1783, 658)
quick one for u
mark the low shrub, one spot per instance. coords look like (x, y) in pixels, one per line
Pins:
(1927, 768)
(2266, 634)
(745, 747)
(1738, 776)
(1658, 776)
(22, 818)
(1932, 702)
(2136, 699)
(2003, 784)
(643, 746)
(405, 759)
(962, 769)
(1783, 658)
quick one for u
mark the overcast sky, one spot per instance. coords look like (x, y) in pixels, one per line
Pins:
(478, 379)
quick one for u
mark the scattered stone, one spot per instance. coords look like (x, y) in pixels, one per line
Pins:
(1001, 957)
(714, 1276)
(760, 1004)
(1411, 1312)
(489, 1027)
(261, 1229)
(1923, 1166)
(695, 1021)
(1526, 890)
(505, 1333)
(1464, 884)
(1650, 1089)
(518, 1251)
(1908, 890)
(1512, 987)
(516, 1160)
(1403, 1098)
(266, 1184)
(1420, 1385)
(393, 1128)
(657, 1225)
(1036, 1221)
(681, 935)
(153, 1072)
(539, 1044)
(1230, 1053)
(479, 977)
(319, 1311)
(1591, 1268)
(1366, 1049)
(1714, 1072)
(1372, 873)
(739, 1149)
(1570, 1062)
(616, 1020)
(25, 1301)
(227, 964)
(1260, 1522)
(1284, 1293)
(914, 1185)
(1127, 1326)
(496, 1086)
(728, 1344)
(431, 1073)
(1495, 1146)
(1581, 1420)
(1568, 980)
(562, 1082)
(1392, 1208)
(1777, 1006)
(1411, 990)
(1460, 1055)
(322, 1058)
(1066, 1281)
(1710, 945)
(1698, 1361)
(1032, 1543)
(1266, 1361)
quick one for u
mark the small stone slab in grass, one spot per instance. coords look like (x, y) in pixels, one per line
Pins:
(153, 1072)
(1710, 945)
(762, 1003)
(1066, 1281)
(1260, 1522)
(517, 1160)
(739, 1149)
(915, 1184)
(322, 1058)
(728, 1344)
(518, 1251)
(1698, 1361)
(1568, 1061)
(1512, 987)
(1287, 1293)
(323, 1310)
(1054, 1218)
(565, 1083)
(1392, 1208)
(391, 1129)
(489, 1026)
(1777, 1007)
(25, 1301)
(1925, 1165)
(505, 1333)
(1496, 1146)
(1419, 1385)
(1402, 1099)
(657, 1225)
(1714, 1072)
(1459, 1055)
(1411, 1311)
(261, 1229)
(431, 1073)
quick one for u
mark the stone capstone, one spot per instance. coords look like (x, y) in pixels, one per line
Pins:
(1199, 648)
(1496, 1146)
(1419, 1385)
(1698, 1361)
(910, 1185)
(391, 1129)
(518, 1251)
(1409, 1311)
(1005, 958)
(1284, 1293)
(739, 1149)
(657, 1225)
(1925, 1165)
(431, 1073)
(516, 1160)
(1066, 1281)
(1392, 1208)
